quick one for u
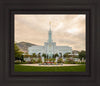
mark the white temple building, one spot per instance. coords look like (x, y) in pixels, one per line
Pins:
(49, 47)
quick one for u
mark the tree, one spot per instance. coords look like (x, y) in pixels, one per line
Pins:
(39, 55)
(44, 55)
(60, 54)
(82, 54)
(66, 55)
(74, 56)
(34, 55)
(53, 55)
(18, 53)
(56, 55)
(22, 58)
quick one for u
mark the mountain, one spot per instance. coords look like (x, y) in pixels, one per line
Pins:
(23, 46)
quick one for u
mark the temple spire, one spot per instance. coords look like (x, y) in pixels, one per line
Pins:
(50, 34)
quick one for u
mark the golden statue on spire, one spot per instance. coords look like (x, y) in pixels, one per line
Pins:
(50, 24)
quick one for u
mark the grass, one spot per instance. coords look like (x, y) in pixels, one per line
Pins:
(20, 68)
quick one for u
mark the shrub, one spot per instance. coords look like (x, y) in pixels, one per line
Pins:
(30, 62)
(53, 59)
(17, 62)
(83, 62)
(55, 63)
(79, 62)
(39, 60)
(50, 59)
(45, 59)
(66, 62)
(60, 60)
(69, 61)
(34, 61)
(23, 62)
(20, 62)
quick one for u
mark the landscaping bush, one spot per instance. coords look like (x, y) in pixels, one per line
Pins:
(83, 62)
(60, 60)
(17, 62)
(34, 61)
(69, 61)
(39, 60)
(79, 62)
(50, 60)
(20, 62)
(45, 59)
(30, 62)
(23, 62)
(55, 63)
(53, 59)
(66, 62)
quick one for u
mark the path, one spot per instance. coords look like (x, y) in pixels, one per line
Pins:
(51, 65)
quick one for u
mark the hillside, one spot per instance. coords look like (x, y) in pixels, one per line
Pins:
(24, 46)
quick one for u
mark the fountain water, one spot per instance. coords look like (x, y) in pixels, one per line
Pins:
(43, 59)
(56, 59)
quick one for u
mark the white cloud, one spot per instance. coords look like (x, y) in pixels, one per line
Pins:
(66, 29)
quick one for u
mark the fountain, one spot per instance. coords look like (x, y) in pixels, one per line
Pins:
(56, 59)
(43, 59)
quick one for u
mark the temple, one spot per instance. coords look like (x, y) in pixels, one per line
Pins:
(49, 47)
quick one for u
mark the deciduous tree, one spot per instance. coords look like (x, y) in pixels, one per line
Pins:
(82, 54)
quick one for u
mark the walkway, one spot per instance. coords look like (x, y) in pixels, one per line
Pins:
(51, 65)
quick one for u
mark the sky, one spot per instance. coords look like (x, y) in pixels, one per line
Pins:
(67, 29)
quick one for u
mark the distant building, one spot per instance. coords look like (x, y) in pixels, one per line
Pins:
(49, 48)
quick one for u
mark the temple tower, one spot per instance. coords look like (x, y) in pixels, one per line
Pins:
(50, 34)
(50, 46)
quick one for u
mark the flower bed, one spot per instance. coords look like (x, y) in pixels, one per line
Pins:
(51, 63)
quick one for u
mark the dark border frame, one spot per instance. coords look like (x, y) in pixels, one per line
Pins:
(53, 74)
(89, 78)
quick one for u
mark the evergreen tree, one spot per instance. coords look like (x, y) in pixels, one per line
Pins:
(17, 52)
(82, 54)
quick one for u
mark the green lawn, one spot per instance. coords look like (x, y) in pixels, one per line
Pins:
(20, 68)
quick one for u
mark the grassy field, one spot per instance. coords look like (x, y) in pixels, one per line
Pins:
(20, 68)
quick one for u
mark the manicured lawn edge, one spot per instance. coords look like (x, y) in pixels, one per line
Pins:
(20, 68)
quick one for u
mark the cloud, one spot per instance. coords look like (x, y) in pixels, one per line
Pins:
(66, 29)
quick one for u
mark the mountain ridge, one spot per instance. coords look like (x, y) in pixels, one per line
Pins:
(23, 46)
